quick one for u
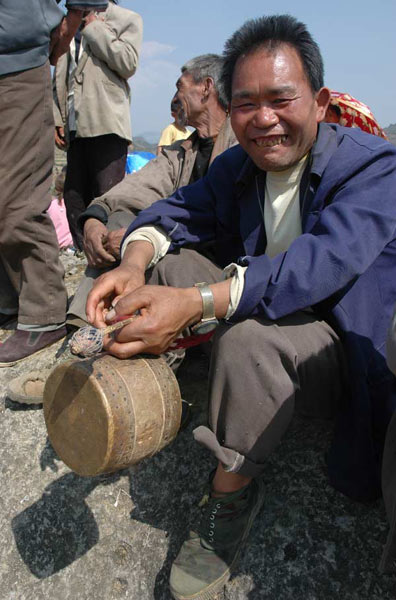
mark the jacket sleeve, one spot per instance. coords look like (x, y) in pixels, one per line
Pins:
(118, 49)
(55, 104)
(191, 214)
(348, 236)
(156, 180)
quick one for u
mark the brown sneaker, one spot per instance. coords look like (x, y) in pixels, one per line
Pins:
(22, 344)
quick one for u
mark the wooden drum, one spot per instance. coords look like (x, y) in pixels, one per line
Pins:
(104, 414)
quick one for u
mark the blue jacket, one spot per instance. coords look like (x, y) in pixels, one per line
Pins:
(25, 30)
(343, 266)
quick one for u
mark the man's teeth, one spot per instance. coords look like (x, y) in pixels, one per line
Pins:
(271, 141)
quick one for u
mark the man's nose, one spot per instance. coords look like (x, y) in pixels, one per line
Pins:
(265, 116)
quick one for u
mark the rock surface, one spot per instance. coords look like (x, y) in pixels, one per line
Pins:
(64, 537)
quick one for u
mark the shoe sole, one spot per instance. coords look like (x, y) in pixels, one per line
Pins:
(15, 362)
(218, 585)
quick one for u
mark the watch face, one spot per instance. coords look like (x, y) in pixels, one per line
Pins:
(202, 328)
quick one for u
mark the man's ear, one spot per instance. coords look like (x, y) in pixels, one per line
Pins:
(208, 85)
(322, 102)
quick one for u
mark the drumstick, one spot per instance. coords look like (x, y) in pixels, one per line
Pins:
(88, 340)
(117, 325)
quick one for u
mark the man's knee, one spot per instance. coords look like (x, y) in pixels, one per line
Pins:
(183, 268)
(257, 337)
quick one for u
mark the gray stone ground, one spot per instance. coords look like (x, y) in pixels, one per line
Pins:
(63, 537)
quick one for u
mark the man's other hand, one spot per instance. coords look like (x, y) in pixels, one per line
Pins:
(92, 16)
(109, 288)
(94, 234)
(60, 137)
(112, 242)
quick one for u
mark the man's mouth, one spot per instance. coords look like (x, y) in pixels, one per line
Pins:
(270, 141)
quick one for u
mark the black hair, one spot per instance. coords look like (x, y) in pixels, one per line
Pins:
(270, 33)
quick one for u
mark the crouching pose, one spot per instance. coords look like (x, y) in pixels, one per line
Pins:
(303, 219)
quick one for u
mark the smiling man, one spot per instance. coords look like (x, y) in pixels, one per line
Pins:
(303, 218)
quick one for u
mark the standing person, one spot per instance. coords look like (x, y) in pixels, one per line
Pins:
(303, 218)
(174, 131)
(31, 276)
(92, 106)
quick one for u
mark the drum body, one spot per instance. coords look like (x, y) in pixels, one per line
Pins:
(104, 414)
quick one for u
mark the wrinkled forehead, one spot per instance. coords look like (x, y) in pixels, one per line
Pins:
(185, 80)
(279, 66)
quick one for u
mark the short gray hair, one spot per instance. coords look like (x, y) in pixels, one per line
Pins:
(207, 65)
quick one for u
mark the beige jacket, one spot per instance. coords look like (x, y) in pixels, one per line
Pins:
(160, 178)
(101, 91)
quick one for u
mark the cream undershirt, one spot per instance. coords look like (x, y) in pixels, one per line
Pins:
(281, 217)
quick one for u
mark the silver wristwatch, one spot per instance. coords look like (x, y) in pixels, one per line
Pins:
(208, 321)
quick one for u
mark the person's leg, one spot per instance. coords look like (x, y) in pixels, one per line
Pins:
(183, 269)
(297, 360)
(107, 158)
(28, 245)
(76, 192)
(259, 371)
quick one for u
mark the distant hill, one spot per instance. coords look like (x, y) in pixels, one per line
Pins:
(140, 144)
(391, 133)
(152, 137)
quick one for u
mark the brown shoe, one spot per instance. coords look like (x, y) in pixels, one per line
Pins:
(22, 344)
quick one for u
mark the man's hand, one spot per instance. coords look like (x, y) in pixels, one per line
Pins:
(94, 234)
(60, 137)
(112, 242)
(63, 34)
(108, 289)
(164, 313)
(92, 16)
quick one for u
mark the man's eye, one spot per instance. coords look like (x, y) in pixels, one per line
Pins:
(243, 105)
(280, 101)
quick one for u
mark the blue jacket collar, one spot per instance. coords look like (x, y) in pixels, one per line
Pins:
(321, 152)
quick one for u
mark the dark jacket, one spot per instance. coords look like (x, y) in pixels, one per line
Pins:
(343, 266)
(25, 30)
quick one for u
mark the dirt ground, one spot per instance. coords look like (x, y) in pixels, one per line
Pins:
(64, 537)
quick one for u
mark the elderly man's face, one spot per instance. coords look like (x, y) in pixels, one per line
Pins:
(274, 112)
(188, 99)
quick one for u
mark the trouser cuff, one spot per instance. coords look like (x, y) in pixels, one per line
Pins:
(232, 461)
(51, 327)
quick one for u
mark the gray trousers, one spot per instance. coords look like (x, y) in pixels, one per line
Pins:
(31, 275)
(260, 370)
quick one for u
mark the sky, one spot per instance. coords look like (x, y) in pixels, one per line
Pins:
(357, 40)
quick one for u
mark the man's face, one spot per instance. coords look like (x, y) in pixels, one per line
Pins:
(274, 112)
(188, 99)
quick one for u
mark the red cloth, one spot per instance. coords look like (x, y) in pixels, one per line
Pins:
(355, 114)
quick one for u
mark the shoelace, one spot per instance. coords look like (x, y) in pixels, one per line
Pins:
(230, 511)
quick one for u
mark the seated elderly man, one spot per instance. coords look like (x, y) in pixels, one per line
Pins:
(200, 103)
(303, 218)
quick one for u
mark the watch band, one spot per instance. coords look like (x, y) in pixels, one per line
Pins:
(208, 308)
